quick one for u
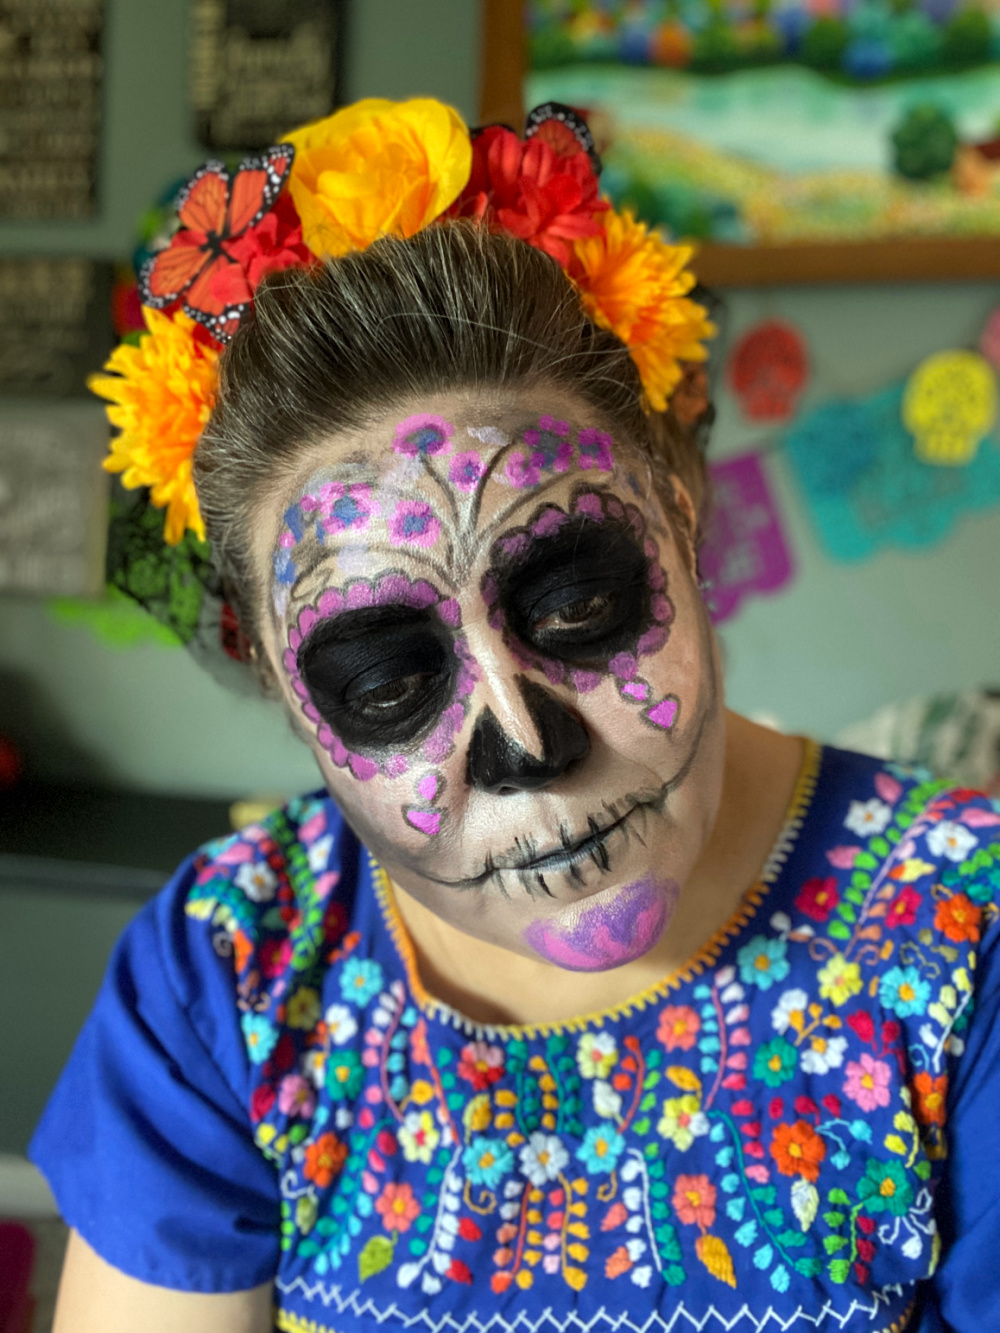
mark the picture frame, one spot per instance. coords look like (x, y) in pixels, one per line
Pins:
(915, 253)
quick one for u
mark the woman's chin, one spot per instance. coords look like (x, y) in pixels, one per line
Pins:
(607, 930)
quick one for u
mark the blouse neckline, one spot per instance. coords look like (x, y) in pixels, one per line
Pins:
(437, 1010)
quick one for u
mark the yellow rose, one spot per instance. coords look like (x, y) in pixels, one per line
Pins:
(377, 168)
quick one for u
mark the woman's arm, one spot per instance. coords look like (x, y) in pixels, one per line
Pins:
(96, 1298)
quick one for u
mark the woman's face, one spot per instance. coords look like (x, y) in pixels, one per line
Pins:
(488, 629)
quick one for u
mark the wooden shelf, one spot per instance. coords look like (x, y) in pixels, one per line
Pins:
(903, 260)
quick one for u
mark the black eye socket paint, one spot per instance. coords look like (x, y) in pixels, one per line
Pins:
(379, 675)
(580, 594)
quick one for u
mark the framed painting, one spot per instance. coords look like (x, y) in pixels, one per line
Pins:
(793, 140)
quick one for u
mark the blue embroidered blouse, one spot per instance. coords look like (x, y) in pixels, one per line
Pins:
(796, 1131)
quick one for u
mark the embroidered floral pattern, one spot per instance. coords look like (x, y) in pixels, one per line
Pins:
(763, 1126)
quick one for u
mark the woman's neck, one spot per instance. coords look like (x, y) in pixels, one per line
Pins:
(492, 985)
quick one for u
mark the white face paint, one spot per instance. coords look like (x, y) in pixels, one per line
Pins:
(485, 623)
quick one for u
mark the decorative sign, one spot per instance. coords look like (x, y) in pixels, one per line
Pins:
(950, 404)
(53, 500)
(55, 324)
(50, 107)
(745, 551)
(768, 369)
(855, 463)
(259, 68)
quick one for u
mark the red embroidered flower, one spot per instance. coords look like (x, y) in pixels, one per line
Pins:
(274, 956)
(261, 1101)
(818, 897)
(678, 1027)
(958, 917)
(902, 910)
(481, 1064)
(525, 188)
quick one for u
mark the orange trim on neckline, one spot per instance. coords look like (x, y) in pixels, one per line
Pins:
(431, 1007)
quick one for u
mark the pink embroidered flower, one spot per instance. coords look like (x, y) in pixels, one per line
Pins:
(421, 435)
(397, 1207)
(679, 1027)
(867, 1082)
(295, 1096)
(902, 911)
(413, 524)
(481, 1064)
(466, 471)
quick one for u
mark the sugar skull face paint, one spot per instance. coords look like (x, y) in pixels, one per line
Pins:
(489, 632)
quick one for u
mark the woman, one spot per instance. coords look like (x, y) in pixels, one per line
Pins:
(579, 1001)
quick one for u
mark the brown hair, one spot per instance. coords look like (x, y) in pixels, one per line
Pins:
(331, 349)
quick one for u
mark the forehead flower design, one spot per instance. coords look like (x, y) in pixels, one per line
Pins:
(422, 436)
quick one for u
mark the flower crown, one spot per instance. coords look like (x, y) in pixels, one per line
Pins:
(374, 169)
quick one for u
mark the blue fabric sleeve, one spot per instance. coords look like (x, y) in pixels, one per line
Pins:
(964, 1295)
(147, 1141)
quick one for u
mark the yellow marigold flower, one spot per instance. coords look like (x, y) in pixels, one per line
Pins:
(635, 284)
(377, 168)
(162, 394)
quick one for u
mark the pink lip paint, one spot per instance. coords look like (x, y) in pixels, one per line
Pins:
(609, 930)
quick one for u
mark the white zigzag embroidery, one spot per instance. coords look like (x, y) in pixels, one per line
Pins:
(743, 1321)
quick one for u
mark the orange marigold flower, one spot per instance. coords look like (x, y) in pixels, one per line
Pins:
(958, 917)
(635, 284)
(930, 1098)
(798, 1150)
(162, 394)
(324, 1159)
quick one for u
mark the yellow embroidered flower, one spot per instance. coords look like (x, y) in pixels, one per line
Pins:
(839, 980)
(161, 394)
(478, 1114)
(635, 284)
(377, 168)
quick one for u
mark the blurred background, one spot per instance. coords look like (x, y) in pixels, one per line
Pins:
(854, 551)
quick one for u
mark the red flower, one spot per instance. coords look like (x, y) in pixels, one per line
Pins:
(818, 897)
(903, 908)
(459, 1272)
(275, 243)
(274, 956)
(481, 1064)
(261, 1101)
(525, 188)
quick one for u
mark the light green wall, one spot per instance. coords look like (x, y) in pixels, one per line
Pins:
(841, 641)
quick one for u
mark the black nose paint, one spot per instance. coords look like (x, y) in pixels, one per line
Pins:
(498, 764)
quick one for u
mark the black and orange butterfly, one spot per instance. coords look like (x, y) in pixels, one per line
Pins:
(215, 207)
(563, 129)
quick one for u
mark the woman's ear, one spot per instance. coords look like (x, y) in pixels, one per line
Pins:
(686, 510)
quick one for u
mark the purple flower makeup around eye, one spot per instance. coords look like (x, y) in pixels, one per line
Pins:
(580, 595)
(383, 673)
